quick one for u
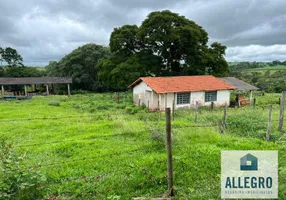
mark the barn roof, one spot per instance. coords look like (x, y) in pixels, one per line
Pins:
(163, 85)
(239, 84)
(34, 80)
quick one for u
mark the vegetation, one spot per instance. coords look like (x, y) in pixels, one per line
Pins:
(10, 56)
(166, 44)
(80, 64)
(90, 147)
(269, 77)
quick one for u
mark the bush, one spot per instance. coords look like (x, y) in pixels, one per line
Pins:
(54, 104)
(120, 106)
(18, 182)
(79, 92)
(132, 110)
(101, 107)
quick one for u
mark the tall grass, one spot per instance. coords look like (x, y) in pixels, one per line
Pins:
(90, 147)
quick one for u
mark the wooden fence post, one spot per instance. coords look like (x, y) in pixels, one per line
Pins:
(138, 102)
(212, 106)
(224, 118)
(158, 105)
(269, 124)
(148, 105)
(197, 109)
(254, 102)
(282, 104)
(173, 110)
(169, 153)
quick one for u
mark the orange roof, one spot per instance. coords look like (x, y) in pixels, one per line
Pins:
(169, 84)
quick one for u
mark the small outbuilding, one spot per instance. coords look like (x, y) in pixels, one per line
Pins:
(182, 91)
(241, 86)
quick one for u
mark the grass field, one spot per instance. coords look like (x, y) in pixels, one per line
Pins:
(278, 67)
(89, 147)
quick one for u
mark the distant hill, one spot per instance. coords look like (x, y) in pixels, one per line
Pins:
(268, 76)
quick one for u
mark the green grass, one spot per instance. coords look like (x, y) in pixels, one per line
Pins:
(278, 67)
(90, 147)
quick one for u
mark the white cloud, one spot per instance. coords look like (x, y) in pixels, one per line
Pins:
(47, 30)
(256, 53)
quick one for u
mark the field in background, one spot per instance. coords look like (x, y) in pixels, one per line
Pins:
(89, 146)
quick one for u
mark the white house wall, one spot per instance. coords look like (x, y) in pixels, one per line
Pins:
(139, 92)
(223, 96)
(143, 92)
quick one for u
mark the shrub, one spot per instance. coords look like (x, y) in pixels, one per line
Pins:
(18, 182)
(54, 104)
(79, 92)
(101, 107)
(132, 110)
(119, 106)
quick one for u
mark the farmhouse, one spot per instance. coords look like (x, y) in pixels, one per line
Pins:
(182, 91)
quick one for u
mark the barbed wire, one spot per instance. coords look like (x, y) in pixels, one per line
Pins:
(99, 175)
(77, 160)
(63, 117)
(80, 139)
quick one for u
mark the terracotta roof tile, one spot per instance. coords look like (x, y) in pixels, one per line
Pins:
(163, 85)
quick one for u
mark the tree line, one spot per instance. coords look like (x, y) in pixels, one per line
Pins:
(237, 66)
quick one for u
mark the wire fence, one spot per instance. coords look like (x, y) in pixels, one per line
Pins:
(150, 126)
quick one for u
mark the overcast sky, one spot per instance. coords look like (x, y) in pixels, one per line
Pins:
(45, 30)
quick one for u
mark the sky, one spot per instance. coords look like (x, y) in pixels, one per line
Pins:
(46, 30)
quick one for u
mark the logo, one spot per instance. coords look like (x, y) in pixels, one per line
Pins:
(248, 163)
(249, 174)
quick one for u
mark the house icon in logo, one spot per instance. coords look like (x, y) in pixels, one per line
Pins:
(248, 163)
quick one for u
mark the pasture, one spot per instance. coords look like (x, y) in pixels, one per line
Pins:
(90, 147)
(277, 67)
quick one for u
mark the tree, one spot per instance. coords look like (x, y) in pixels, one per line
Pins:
(10, 56)
(166, 44)
(116, 71)
(80, 64)
(14, 71)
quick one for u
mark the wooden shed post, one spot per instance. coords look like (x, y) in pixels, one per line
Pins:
(26, 93)
(69, 90)
(47, 89)
(2, 90)
(250, 98)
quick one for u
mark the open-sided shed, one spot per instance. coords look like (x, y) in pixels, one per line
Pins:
(35, 80)
(240, 85)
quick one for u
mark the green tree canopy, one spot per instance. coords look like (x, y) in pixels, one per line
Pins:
(10, 56)
(166, 44)
(80, 64)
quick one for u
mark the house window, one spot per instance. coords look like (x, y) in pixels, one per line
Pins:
(183, 98)
(210, 96)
